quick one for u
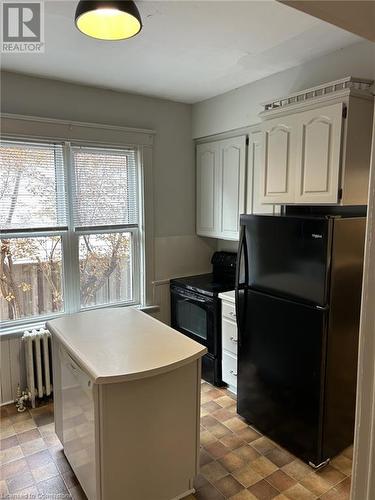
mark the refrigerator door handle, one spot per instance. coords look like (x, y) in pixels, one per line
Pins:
(242, 247)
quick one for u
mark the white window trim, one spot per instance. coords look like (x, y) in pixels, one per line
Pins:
(20, 127)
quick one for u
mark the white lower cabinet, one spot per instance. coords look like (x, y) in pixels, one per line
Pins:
(229, 340)
(113, 432)
(230, 371)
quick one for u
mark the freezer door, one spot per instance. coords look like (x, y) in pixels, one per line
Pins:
(289, 256)
(280, 371)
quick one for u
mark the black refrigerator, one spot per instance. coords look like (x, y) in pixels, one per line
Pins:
(298, 295)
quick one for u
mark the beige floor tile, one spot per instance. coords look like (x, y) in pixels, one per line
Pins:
(13, 468)
(343, 464)
(7, 432)
(47, 429)
(213, 471)
(3, 488)
(51, 440)
(25, 425)
(279, 457)
(33, 446)
(280, 480)
(249, 434)
(297, 469)
(348, 452)
(298, 492)
(247, 476)
(204, 458)
(20, 482)
(263, 466)
(45, 472)
(30, 435)
(207, 438)
(263, 445)
(10, 454)
(209, 421)
(217, 449)
(223, 414)
(231, 461)
(228, 486)
(232, 441)
(8, 442)
(331, 475)
(220, 430)
(225, 401)
(243, 495)
(316, 484)
(247, 453)
(20, 417)
(263, 490)
(5, 422)
(235, 424)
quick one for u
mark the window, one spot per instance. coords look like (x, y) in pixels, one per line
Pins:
(70, 229)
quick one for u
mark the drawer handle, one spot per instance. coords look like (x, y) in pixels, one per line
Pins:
(232, 373)
(234, 340)
(233, 314)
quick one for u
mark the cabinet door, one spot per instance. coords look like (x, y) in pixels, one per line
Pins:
(232, 185)
(254, 165)
(318, 155)
(207, 189)
(278, 166)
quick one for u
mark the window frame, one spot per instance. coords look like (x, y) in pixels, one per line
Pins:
(70, 235)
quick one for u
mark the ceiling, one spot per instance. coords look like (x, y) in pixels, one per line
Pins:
(187, 51)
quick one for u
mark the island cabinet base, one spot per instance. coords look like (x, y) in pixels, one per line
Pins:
(137, 439)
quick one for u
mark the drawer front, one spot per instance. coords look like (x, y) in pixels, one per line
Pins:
(229, 369)
(228, 310)
(229, 335)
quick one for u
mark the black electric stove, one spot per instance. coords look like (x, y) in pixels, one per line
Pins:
(196, 309)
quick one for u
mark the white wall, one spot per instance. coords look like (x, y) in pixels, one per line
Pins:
(240, 107)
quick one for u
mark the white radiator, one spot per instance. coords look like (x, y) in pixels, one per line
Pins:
(38, 358)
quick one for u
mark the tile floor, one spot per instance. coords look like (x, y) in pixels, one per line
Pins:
(236, 461)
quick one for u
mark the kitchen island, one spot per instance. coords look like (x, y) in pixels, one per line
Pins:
(127, 403)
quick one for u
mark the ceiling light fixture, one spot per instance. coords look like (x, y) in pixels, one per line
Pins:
(108, 20)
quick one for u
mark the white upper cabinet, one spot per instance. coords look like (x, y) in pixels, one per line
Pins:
(221, 171)
(277, 174)
(232, 185)
(317, 145)
(207, 188)
(254, 166)
(318, 155)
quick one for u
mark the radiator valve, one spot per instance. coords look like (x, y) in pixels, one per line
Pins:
(21, 399)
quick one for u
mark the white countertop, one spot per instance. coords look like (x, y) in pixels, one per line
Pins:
(229, 296)
(123, 343)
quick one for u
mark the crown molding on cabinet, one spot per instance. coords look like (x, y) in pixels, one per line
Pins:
(319, 95)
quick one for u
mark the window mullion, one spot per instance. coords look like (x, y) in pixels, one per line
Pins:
(70, 240)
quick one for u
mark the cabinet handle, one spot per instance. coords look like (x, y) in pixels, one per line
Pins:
(232, 373)
(233, 340)
(233, 314)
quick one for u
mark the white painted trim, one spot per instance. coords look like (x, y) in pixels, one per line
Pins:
(62, 130)
(363, 484)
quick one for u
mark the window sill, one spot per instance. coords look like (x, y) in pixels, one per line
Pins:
(18, 330)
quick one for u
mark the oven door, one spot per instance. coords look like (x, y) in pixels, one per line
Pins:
(193, 314)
